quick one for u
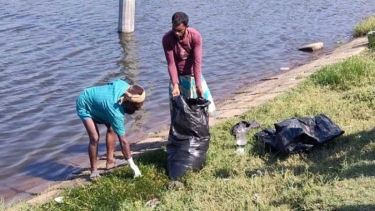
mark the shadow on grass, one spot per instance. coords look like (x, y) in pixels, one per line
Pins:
(225, 173)
(362, 207)
(157, 158)
(345, 157)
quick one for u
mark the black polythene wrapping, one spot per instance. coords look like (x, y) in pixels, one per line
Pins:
(299, 134)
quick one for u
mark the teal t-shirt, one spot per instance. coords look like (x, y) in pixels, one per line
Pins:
(102, 105)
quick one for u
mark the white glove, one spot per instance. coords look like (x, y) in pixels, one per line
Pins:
(137, 172)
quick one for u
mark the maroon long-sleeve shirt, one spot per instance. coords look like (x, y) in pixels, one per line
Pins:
(184, 57)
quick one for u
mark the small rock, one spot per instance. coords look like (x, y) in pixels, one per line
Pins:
(59, 199)
(284, 68)
(175, 185)
(152, 203)
(259, 172)
(256, 197)
(240, 151)
(311, 47)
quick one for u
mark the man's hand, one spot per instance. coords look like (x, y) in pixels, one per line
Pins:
(200, 92)
(176, 90)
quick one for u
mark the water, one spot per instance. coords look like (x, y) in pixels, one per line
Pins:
(51, 50)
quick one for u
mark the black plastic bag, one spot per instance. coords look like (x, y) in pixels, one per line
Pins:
(189, 135)
(299, 134)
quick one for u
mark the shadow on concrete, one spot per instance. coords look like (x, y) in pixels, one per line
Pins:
(360, 45)
(157, 158)
(145, 146)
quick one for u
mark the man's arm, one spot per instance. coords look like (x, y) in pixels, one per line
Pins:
(125, 146)
(118, 125)
(125, 149)
(172, 69)
(197, 68)
(168, 51)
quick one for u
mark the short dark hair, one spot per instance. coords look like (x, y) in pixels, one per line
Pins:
(180, 18)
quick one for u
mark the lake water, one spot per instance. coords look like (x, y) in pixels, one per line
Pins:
(51, 50)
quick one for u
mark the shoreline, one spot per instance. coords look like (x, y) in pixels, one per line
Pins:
(235, 105)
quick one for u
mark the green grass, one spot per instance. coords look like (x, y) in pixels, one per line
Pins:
(118, 189)
(364, 27)
(354, 72)
(337, 176)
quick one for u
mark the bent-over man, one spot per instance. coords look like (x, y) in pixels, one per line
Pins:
(108, 105)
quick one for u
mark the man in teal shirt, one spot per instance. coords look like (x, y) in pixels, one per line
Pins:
(108, 105)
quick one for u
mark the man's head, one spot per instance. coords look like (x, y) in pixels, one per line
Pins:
(180, 22)
(133, 99)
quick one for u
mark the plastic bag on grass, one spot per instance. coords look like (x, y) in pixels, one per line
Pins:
(246, 124)
(189, 136)
(299, 134)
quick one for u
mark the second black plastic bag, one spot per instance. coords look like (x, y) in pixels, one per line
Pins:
(299, 134)
(189, 136)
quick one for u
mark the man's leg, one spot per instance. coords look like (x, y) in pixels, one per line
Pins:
(111, 143)
(93, 132)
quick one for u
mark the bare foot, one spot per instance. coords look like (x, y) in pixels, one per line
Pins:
(110, 163)
(94, 175)
(115, 163)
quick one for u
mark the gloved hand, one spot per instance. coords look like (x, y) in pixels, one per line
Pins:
(137, 172)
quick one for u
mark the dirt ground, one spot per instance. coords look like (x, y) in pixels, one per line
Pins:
(235, 105)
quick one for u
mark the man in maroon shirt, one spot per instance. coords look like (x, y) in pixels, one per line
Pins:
(183, 52)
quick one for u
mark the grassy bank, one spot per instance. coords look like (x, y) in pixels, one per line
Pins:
(368, 24)
(338, 176)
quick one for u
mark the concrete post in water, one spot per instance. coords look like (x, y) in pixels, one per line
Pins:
(371, 40)
(126, 16)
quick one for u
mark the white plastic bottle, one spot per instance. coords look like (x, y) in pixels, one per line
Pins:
(241, 139)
